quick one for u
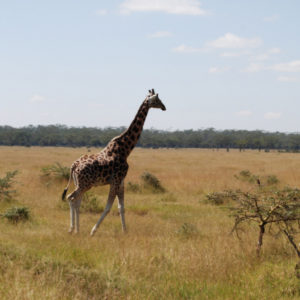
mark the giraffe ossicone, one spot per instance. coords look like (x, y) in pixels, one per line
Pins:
(108, 167)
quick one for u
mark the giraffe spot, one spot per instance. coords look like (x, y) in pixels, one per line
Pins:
(132, 137)
(139, 123)
(135, 129)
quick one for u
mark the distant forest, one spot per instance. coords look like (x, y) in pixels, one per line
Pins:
(60, 135)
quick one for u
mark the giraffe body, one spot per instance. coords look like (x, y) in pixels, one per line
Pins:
(108, 167)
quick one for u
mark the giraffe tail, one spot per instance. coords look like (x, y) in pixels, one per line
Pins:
(63, 197)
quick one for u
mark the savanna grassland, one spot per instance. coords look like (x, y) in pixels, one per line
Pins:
(177, 245)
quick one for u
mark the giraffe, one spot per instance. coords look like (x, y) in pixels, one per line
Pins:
(108, 167)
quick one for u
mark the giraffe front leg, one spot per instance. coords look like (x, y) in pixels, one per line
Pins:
(110, 201)
(121, 206)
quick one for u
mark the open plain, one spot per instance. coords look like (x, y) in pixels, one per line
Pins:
(177, 246)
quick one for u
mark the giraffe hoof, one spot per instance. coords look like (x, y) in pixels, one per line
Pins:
(70, 231)
(93, 231)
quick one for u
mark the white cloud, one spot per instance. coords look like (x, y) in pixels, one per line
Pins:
(37, 99)
(293, 66)
(235, 54)
(186, 49)
(214, 70)
(274, 51)
(254, 67)
(160, 34)
(272, 115)
(231, 41)
(266, 55)
(272, 18)
(244, 113)
(179, 7)
(287, 79)
(101, 12)
(261, 57)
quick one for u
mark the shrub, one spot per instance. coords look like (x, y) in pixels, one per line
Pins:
(151, 182)
(6, 183)
(133, 187)
(218, 198)
(246, 175)
(187, 230)
(272, 180)
(90, 203)
(16, 214)
(56, 170)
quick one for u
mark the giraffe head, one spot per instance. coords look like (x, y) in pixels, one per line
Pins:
(154, 101)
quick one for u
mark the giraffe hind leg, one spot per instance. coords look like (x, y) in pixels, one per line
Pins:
(74, 202)
(72, 216)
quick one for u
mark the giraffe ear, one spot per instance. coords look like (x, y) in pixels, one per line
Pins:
(150, 91)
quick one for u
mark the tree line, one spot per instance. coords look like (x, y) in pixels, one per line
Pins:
(61, 135)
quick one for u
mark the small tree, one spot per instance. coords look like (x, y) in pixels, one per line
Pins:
(281, 208)
(6, 184)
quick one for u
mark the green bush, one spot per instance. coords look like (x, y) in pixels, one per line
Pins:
(246, 175)
(218, 198)
(56, 170)
(133, 187)
(17, 214)
(6, 183)
(151, 182)
(90, 203)
(272, 180)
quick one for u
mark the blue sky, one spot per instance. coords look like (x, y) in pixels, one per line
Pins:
(225, 64)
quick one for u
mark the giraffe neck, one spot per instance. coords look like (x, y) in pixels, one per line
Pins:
(130, 137)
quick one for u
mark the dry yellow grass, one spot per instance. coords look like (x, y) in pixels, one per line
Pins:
(159, 258)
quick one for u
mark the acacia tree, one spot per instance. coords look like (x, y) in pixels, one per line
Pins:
(267, 207)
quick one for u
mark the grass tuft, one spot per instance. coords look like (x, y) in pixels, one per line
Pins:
(17, 214)
(57, 171)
